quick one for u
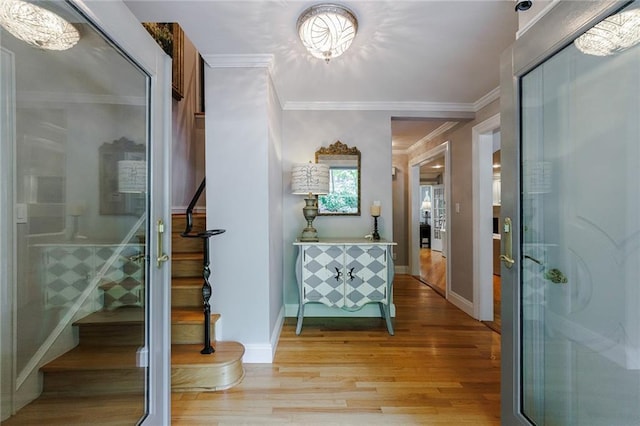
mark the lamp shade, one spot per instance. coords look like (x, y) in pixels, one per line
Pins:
(37, 26)
(132, 176)
(310, 178)
(327, 30)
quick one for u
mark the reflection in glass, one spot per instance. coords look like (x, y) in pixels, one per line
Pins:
(580, 237)
(75, 263)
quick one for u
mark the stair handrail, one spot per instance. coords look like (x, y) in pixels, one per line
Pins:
(192, 204)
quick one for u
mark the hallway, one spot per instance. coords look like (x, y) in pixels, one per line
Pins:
(433, 272)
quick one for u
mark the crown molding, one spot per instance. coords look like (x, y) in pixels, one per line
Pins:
(435, 109)
(239, 61)
(486, 99)
(437, 132)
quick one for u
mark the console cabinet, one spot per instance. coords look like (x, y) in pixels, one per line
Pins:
(345, 274)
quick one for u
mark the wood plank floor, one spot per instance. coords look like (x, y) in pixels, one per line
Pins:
(441, 368)
(433, 272)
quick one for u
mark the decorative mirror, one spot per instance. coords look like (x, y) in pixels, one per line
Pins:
(344, 180)
(119, 195)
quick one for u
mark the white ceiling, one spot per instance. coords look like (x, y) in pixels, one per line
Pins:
(422, 58)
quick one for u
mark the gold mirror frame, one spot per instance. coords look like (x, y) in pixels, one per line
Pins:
(339, 155)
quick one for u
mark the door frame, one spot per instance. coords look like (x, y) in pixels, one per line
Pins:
(116, 21)
(482, 172)
(7, 242)
(559, 26)
(414, 209)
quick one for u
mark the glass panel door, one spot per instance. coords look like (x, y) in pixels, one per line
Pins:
(580, 239)
(80, 141)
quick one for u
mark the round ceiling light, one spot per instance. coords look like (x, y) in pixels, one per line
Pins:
(327, 30)
(37, 26)
(612, 35)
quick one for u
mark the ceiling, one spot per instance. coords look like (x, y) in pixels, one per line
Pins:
(422, 58)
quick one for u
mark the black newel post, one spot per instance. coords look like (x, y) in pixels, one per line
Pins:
(206, 288)
(206, 295)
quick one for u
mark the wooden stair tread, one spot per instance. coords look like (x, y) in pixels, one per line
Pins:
(88, 358)
(124, 315)
(189, 255)
(189, 356)
(190, 316)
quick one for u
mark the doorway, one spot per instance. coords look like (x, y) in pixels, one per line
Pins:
(486, 148)
(429, 183)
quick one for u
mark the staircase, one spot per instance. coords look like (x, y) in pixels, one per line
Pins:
(105, 360)
(191, 370)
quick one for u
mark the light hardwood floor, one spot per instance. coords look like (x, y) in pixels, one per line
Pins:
(441, 368)
(433, 272)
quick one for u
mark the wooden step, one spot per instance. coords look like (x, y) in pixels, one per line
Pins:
(186, 265)
(192, 371)
(180, 244)
(179, 221)
(186, 292)
(122, 326)
(187, 325)
(94, 370)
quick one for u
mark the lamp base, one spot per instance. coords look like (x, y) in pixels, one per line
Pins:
(310, 211)
(309, 235)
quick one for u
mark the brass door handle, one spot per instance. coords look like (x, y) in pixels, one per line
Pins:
(162, 257)
(507, 230)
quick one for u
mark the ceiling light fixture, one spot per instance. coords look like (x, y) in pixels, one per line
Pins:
(37, 26)
(327, 30)
(614, 34)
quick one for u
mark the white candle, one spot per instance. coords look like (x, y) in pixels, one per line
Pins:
(375, 208)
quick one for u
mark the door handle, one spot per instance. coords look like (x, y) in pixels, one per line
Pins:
(162, 257)
(507, 231)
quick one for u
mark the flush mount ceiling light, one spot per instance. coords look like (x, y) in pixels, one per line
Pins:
(614, 34)
(327, 30)
(37, 26)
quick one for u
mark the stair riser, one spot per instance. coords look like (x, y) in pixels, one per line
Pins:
(112, 335)
(190, 334)
(94, 382)
(178, 222)
(186, 297)
(206, 378)
(186, 268)
(186, 245)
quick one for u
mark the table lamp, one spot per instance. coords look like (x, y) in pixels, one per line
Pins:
(310, 179)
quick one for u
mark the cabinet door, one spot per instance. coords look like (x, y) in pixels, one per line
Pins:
(323, 275)
(365, 275)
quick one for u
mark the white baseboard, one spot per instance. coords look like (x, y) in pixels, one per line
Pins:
(402, 269)
(461, 303)
(265, 353)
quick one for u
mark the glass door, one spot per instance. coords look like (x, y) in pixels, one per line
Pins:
(573, 348)
(80, 210)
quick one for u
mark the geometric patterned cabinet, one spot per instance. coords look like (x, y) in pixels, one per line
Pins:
(345, 274)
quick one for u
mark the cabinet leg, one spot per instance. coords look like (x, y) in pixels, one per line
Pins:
(300, 316)
(385, 312)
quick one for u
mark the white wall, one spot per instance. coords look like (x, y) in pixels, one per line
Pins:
(239, 152)
(307, 131)
(276, 291)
